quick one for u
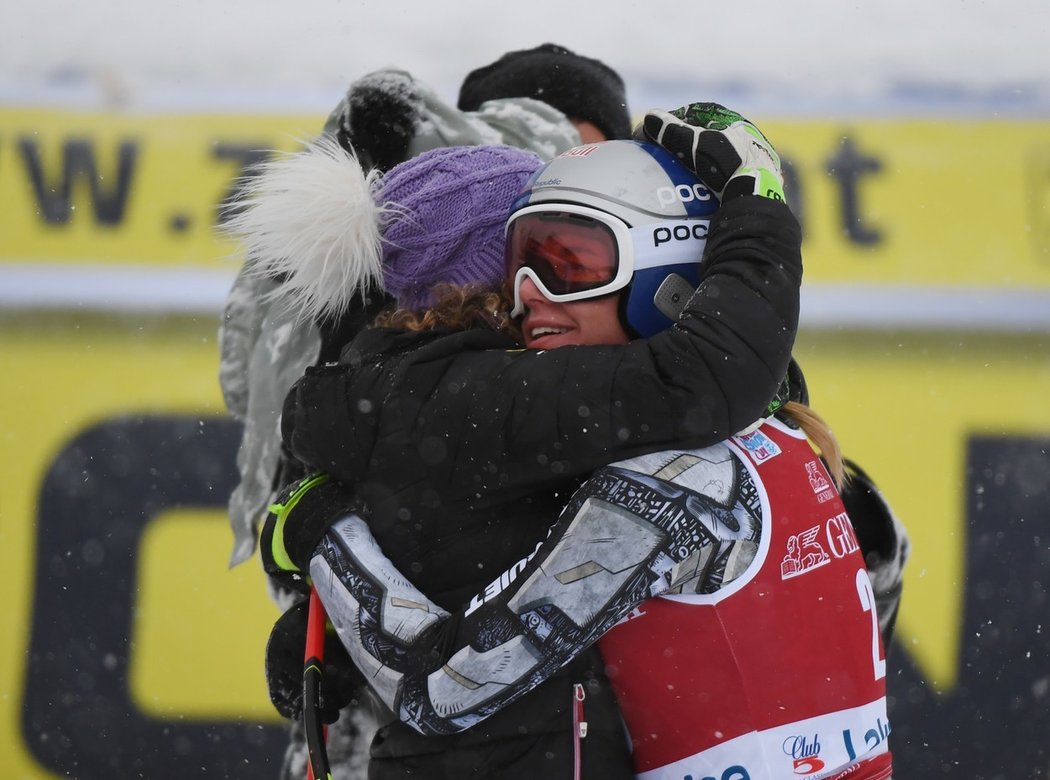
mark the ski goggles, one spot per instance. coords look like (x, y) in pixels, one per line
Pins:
(572, 252)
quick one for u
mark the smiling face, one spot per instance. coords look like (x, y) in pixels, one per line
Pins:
(565, 269)
(548, 325)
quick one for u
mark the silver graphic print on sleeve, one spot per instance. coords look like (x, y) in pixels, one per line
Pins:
(681, 522)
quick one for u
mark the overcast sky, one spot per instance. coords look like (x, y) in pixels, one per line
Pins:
(842, 53)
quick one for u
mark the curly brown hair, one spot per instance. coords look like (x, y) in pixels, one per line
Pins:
(458, 307)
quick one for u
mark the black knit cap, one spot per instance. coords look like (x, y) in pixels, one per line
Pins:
(579, 87)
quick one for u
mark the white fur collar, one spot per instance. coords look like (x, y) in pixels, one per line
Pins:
(309, 216)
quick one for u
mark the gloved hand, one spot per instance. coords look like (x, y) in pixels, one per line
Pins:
(884, 541)
(342, 683)
(726, 152)
(296, 524)
(378, 118)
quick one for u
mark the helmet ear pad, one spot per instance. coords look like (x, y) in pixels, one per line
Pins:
(654, 298)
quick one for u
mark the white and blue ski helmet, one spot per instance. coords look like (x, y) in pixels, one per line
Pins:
(647, 211)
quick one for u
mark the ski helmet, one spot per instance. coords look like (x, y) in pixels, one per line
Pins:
(609, 217)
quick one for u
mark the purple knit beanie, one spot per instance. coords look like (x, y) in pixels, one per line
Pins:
(448, 210)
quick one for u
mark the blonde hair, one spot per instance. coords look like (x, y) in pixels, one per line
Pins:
(819, 433)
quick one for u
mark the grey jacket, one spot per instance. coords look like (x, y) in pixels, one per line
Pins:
(264, 347)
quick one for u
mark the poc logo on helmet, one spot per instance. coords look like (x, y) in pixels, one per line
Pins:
(682, 193)
(684, 232)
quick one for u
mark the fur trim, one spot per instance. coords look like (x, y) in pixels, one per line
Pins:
(309, 217)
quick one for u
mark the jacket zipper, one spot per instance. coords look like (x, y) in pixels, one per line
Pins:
(579, 729)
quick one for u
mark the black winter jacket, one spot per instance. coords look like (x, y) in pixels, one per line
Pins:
(464, 448)
(440, 432)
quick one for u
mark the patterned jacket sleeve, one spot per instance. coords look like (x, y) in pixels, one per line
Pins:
(625, 536)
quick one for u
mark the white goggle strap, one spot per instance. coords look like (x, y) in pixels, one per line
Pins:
(669, 243)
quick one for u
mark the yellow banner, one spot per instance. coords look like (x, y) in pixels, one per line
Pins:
(118, 457)
(123, 417)
(90, 187)
(921, 202)
(901, 202)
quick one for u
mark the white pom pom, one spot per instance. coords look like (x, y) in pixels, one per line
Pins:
(309, 216)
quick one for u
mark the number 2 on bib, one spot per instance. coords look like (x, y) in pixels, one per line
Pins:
(867, 603)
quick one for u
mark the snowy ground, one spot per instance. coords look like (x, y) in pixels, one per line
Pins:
(841, 56)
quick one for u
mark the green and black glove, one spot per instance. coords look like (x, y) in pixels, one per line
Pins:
(296, 524)
(725, 151)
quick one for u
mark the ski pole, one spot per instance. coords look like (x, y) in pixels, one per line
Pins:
(317, 767)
